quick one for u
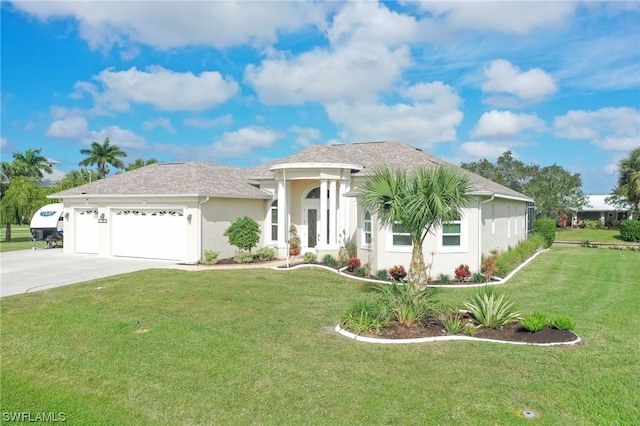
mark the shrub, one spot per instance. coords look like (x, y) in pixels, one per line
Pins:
(210, 257)
(444, 278)
(469, 330)
(489, 267)
(630, 230)
(509, 260)
(244, 233)
(352, 264)
(294, 241)
(382, 274)
(244, 257)
(491, 310)
(266, 254)
(563, 323)
(546, 228)
(351, 249)
(478, 277)
(360, 271)
(593, 224)
(329, 260)
(309, 257)
(534, 322)
(462, 272)
(452, 322)
(365, 315)
(406, 304)
(397, 272)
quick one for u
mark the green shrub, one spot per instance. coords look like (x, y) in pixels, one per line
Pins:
(444, 278)
(478, 277)
(329, 260)
(452, 322)
(309, 257)
(210, 257)
(563, 323)
(535, 322)
(630, 230)
(469, 330)
(244, 257)
(593, 224)
(546, 228)
(351, 249)
(243, 233)
(406, 304)
(360, 271)
(266, 254)
(382, 274)
(365, 315)
(491, 310)
(513, 257)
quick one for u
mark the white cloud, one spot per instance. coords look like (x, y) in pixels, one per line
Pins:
(120, 137)
(167, 25)
(431, 118)
(506, 124)
(4, 144)
(203, 123)
(159, 122)
(483, 149)
(503, 77)
(68, 127)
(243, 141)
(615, 129)
(306, 135)
(165, 89)
(517, 17)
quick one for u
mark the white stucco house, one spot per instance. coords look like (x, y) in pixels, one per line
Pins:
(598, 208)
(176, 211)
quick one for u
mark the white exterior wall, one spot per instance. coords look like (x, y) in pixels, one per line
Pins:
(503, 224)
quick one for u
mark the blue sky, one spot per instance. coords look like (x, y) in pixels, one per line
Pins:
(243, 83)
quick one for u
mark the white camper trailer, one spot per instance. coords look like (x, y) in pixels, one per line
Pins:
(47, 225)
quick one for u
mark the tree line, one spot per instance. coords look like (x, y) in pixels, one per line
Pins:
(21, 190)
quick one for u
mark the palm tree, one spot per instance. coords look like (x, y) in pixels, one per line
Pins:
(140, 162)
(629, 179)
(101, 155)
(76, 178)
(417, 201)
(30, 163)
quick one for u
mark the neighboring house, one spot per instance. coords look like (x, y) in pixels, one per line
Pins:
(598, 209)
(50, 179)
(177, 210)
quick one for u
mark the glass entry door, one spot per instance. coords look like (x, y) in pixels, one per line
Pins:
(312, 233)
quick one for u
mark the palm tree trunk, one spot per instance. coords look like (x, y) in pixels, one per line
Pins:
(417, 270)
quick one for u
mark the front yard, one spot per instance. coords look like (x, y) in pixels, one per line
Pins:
(258, 346)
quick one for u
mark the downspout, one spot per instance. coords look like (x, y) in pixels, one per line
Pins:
(200, 227)
(480, 203)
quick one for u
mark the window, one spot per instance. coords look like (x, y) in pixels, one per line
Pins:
(400, 236)
(451, 233)
(274, 221)
(366, 227)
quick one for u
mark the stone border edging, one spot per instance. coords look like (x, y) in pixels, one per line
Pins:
(365, 339)
(371, 280)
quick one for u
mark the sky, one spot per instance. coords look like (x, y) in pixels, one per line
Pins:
(243, 83)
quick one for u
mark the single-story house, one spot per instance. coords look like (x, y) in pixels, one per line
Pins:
(597, 208)
(176, 211)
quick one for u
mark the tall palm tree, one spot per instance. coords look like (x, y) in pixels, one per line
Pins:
(629, 179)
(30, 163)
(101, 155)
(140, 162)
(418, 201)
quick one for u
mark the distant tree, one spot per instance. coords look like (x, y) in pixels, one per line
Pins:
(628, 189)
(101, 155)
(30, 163)
(75, 178)
(243, 233)
(555, 190)
(20, 201)
(140, 162)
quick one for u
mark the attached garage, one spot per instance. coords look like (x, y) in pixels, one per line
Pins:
(86, 230)
(158, 233)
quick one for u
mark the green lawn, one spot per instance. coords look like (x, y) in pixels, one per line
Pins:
(593, 235)
(20, 239)
(258, 347)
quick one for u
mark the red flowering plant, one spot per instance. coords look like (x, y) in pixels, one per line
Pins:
(352, 264)
(397, 272)
(462, 272)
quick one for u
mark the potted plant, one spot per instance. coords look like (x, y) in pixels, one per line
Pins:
(294, 241)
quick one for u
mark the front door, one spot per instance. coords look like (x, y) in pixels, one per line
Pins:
(312, 222)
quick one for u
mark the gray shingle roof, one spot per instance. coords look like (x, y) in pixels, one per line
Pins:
(195, 178)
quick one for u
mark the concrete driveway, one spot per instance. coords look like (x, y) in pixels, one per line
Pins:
(25, 271)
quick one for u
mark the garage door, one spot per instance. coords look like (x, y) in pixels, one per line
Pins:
(86, 231)
(149, 233)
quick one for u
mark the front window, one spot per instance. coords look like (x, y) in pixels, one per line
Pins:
(400, 235)
(366, 227)
(451, 233)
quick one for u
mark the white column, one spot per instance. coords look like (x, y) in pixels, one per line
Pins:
(345, 186)
(282, 214)
(333, 198)
(322, 224)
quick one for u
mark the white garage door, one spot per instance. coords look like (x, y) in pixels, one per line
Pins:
(86, 231)
(149, 233)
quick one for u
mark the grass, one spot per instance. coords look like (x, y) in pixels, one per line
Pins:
(20, 239)
(593, 235)
(258, 347)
